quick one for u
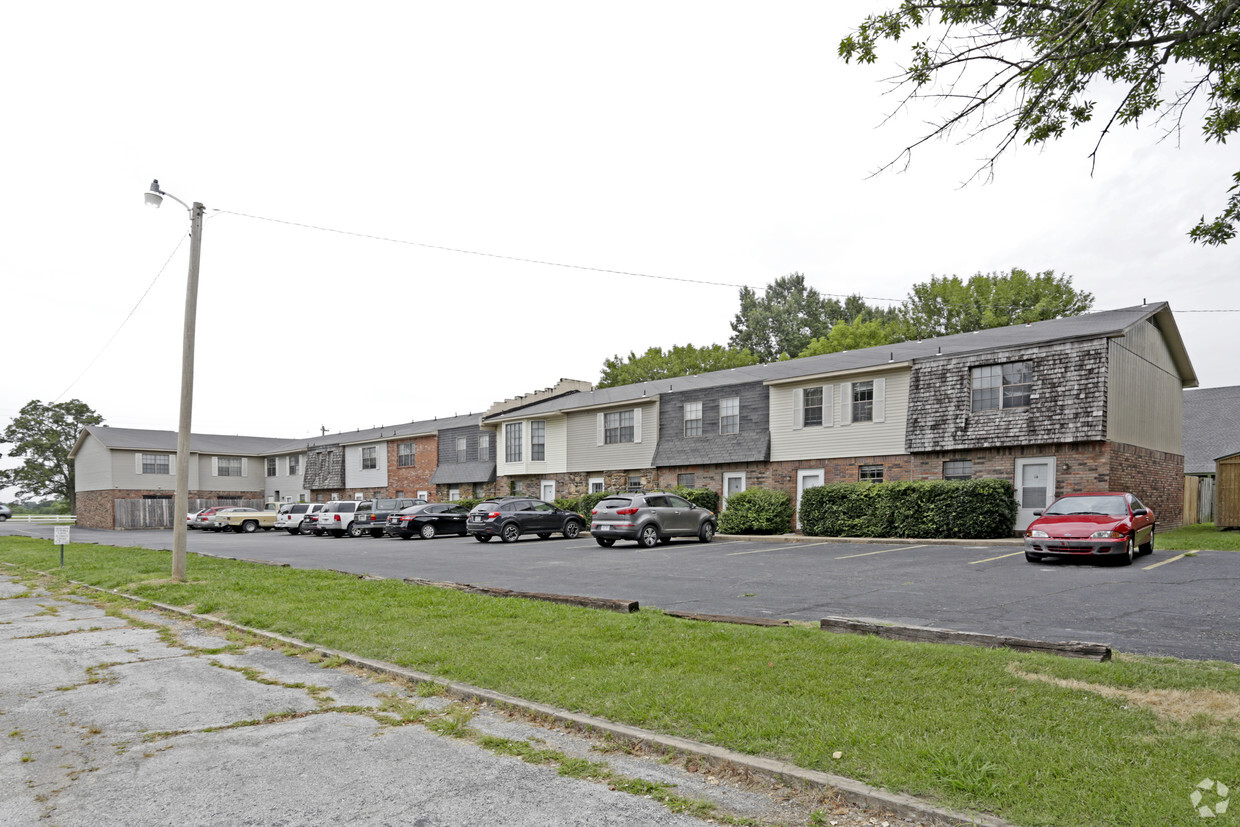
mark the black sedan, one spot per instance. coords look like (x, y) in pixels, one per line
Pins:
(426, 521)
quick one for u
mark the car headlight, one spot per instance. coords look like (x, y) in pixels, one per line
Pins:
(1037, 533)
(1107, 535)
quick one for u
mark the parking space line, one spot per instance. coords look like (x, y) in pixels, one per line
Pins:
(778, 547)
(884, 551)
(1000, 557)
(1170, 560)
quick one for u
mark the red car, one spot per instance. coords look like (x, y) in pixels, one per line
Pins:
(1112, 526)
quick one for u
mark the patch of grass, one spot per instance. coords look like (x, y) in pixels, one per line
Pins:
(1022, 735)
(454, 724)
(430, 689)
(1203, 536)
(27, 757)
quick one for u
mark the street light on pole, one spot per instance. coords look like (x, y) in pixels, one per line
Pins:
(155, 197)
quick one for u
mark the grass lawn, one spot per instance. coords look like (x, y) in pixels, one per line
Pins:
(1033, 738)
(1197, 537)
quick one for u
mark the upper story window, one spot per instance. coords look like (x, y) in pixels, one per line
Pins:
(693, 419)
(958, 469)
(484, 446)
(462, 446)
(812, 407)
(294, 464)
(1002, 386)
(538, 440)
(730, 415)
(513, 432)
(862, 401)
(404, 454)
(369, 458)
(228, 467)
(271, 466)
(618, 427)
(156, 464)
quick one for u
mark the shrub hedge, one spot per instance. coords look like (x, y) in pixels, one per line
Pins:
(931, 509)
(701, 497)
(757, 511)
(467, 502)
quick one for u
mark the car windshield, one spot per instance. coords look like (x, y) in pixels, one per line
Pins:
(1103, 506)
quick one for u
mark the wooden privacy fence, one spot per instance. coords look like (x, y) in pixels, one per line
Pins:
(160, 513)
(1198, 500)
(1227, 492)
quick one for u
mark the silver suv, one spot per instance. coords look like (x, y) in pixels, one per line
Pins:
(650, 518)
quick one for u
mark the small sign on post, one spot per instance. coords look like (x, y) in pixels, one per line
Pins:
(61, 538)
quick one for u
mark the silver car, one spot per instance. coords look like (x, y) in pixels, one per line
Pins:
(650, 518)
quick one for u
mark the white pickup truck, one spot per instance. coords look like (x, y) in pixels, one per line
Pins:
(244, 520)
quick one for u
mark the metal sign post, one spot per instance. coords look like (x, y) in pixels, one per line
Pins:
(61, 538)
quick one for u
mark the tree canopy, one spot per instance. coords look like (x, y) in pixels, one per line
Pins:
(1028, 72)
(44, 435)
(854, 336)
(945, 304)
(680, 360)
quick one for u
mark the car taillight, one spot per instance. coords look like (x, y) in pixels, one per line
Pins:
(336, 517)
(626, 510)
(493, 515)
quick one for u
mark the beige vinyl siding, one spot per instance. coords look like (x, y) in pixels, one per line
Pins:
(557, 450)
(835, 438)
(357, 477)
(1145, 394)
(289, 485)
(92, 466)
(125, 476)
(586, 454)
(255, 472)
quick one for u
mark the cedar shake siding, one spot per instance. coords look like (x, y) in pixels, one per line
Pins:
(324, 468)
(752, 442)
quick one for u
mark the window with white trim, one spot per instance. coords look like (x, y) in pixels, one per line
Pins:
(596, 485)
(812, 407)
(862, 401)
(294, 464)
(618, 427)
(156, 464)
(686, 480)
(228, 467)
(512, 441)
(958, 469)
(484, 446)
(730, 415)
(462, 446)
(271, 466)
(870, 473)
(404, 454)
(693, 419)
(370, 458)
(998, 387)
(538, 440)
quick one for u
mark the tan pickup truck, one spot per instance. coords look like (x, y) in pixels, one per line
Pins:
(244, 520)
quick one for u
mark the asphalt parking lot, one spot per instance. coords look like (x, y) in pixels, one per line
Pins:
(1165, 603)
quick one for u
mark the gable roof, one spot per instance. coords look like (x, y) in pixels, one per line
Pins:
(1103, 324)
(1211, 427)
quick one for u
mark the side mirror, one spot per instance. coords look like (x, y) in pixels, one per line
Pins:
(1141, 512)
(1037, 513)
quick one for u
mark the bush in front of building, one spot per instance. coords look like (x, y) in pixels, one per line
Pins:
(467, 502)
(757, 511)
(701, 497)
(569, 503)
(927, 509)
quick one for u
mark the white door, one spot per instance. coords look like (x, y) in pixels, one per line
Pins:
(1035, 487)
(548, 490)
(807, 478)
(733, 483)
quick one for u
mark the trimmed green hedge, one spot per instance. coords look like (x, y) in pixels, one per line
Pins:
(928, 509)
(757, 511)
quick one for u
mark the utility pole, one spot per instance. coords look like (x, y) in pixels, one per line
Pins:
(180, 534)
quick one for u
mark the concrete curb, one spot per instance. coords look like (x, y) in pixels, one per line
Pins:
(1015, 542)
(855, 792)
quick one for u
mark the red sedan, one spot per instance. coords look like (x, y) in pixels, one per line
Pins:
(1113, 526)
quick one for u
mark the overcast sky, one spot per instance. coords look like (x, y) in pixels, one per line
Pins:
(718, 142)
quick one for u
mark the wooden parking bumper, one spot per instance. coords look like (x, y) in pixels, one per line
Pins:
(745, 621)
(608, 604)
(925, 634)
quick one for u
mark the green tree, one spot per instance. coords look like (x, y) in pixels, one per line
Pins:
(945, 304)
(44, 435)
(854, 335)
(680, 360)
(789, 315)
(1025, 72)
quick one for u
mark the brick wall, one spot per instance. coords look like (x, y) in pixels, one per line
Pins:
(417, 477)
(1157, 478)
(94, 509)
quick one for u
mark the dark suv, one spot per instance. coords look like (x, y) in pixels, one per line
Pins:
(371, 517)
(650, 518)
(510, 517)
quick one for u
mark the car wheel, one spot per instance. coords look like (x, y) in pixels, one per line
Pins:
(483, 538)
(649, 536)
(707, 532)
(249, 526)
(427, 531)
(605, 542)
(510, 533)
(1148, 546)
(1130, 553)
(354, 530)
(1033, 558)
(572, 529)
(293, 531)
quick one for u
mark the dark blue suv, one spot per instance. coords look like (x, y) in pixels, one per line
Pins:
(510, 517)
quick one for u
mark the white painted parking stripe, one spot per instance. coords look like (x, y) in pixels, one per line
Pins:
(884, 551)
(1000, 557)
(779, 547)
(1170, 560)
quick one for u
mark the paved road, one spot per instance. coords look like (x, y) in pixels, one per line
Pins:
(1185, 607)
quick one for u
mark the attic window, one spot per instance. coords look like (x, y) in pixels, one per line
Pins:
(998, 387)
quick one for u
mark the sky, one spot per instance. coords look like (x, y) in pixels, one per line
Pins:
(347, 154)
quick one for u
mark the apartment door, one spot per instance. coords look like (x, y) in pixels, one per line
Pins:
(733, 483)
(548, 490)
(807, 478)
(1035, 487)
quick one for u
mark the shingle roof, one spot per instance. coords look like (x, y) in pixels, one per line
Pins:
(453, 472)
(1087, 326)
(1211, 427)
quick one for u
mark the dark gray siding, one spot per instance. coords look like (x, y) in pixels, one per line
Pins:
(1067, 403)
(447, 444)
(752, 444)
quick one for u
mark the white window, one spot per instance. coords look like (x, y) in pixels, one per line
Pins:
(730, 415)
(693, 419)
(454, 494)
(1002, 386)
(484, 447)
(870, 473)
(271, 466)
(422, 495)
(863, 401)
(958, 469)
(538, 440)
(294, 464)
(686, 480)
(154, 464)
(462, 443)
(369, 458)
(513, 432)
(230, 466)
(812, 408)
(596, 485)
(618, 427)
(404, 454)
